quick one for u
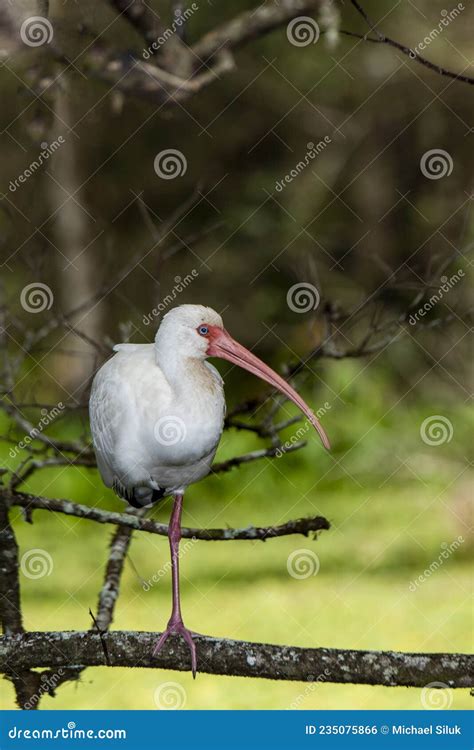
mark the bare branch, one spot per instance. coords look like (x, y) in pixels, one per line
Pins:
(173, 55)
(24, 680)
(246, 458)
(303, 526)
(108, 596)
(412, 54)
(238, 658)
(10, 612)
(135, 77)
(252, 24)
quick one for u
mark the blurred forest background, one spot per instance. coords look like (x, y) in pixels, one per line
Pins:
(362, 223)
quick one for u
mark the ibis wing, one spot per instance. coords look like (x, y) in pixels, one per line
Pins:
(107, 414)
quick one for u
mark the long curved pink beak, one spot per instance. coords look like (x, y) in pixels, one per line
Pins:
(221, 344)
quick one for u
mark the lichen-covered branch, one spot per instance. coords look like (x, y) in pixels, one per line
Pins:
(24, 680)
(238, 658)
(303, 526)
(109, 592)
(10, 611)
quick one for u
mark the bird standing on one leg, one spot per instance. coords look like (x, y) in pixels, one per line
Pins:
(157, 414)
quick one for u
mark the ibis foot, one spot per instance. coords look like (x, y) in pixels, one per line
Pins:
(177, 627)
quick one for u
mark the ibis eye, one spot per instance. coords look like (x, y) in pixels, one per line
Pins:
(203, 330)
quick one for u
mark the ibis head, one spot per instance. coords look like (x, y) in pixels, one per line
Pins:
(198, 332)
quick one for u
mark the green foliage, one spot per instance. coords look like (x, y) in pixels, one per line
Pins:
(384, 535)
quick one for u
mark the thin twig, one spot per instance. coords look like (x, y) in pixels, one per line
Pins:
(381, 38)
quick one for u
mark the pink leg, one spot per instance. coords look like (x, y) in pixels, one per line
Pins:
(175, 623)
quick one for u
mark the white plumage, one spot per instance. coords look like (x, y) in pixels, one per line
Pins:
(157, 413)
(157, 410)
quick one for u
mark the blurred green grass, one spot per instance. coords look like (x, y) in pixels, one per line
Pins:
(393, 502)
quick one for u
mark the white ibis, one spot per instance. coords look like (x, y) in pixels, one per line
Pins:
(157, 413)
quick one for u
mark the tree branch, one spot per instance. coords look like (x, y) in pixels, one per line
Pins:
(412, 54)
(237, 658)
(303, 526)
(173, 55)
(252, 24)
(24, 681)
